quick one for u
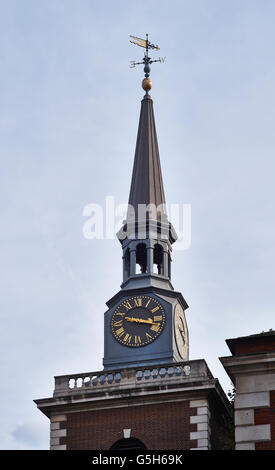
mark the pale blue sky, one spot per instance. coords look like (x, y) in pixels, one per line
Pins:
(68, 122)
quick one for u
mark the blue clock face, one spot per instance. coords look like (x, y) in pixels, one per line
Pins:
(138, 321)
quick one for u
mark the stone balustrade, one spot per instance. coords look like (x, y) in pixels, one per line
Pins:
(85, 382)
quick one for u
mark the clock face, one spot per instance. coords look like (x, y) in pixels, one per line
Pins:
(180, 330)
(138, 321)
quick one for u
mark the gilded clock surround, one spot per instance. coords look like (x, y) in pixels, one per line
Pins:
(138, 321)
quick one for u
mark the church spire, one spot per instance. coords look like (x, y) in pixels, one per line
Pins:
(147, 185)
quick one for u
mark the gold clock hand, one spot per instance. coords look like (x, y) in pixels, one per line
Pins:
(141, 320)
(150, 321)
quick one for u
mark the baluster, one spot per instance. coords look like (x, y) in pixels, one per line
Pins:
(71, 383)
(86, 382)
(170, 371)
(187, 370)
(147, 374)
(139, 374)
(110, 378)
(79, 382)
(102, 379)
(117, 377)
(94, 380)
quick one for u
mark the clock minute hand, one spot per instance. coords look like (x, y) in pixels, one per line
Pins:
(141, 320)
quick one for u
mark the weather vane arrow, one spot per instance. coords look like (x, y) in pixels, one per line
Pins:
(146, 61)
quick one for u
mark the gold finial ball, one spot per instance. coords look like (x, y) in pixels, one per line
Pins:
(147, 84)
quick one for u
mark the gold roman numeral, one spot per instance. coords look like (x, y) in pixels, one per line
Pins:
(148, 303)
(138, 302)
(148, 336)
(120, 332)
(158, 318)
(118, 323)
(127, 305)
(127, 338)
(137, 340)
(155, 309)
(155, 328)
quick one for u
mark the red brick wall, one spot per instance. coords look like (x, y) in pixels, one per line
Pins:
(267, 416)
(255, 345)
(159, 427)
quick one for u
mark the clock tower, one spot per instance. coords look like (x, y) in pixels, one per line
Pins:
(149, 395)
(145, 322)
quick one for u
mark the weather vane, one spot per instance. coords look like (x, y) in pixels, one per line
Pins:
(146, 61)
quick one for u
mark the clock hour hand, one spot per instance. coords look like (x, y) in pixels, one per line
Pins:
(141, 320)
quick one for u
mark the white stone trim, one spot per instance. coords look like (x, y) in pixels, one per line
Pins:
(255, 383)
(252, 400)
(55, 426)
(126, 433)
(198, 435)
(201, 419)
(58, 418)
(198, 403)
(199, 448)
(62, 447)
(258, 433)
(245, 446)
(54, 441)
(246, 432)
(203, 410)
(202, 426)
(203, 443)
(59, 433)
(56, 432)
(243, 417)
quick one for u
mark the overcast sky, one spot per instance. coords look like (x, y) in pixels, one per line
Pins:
(69, 114)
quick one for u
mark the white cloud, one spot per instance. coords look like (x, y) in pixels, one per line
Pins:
(30, 435)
